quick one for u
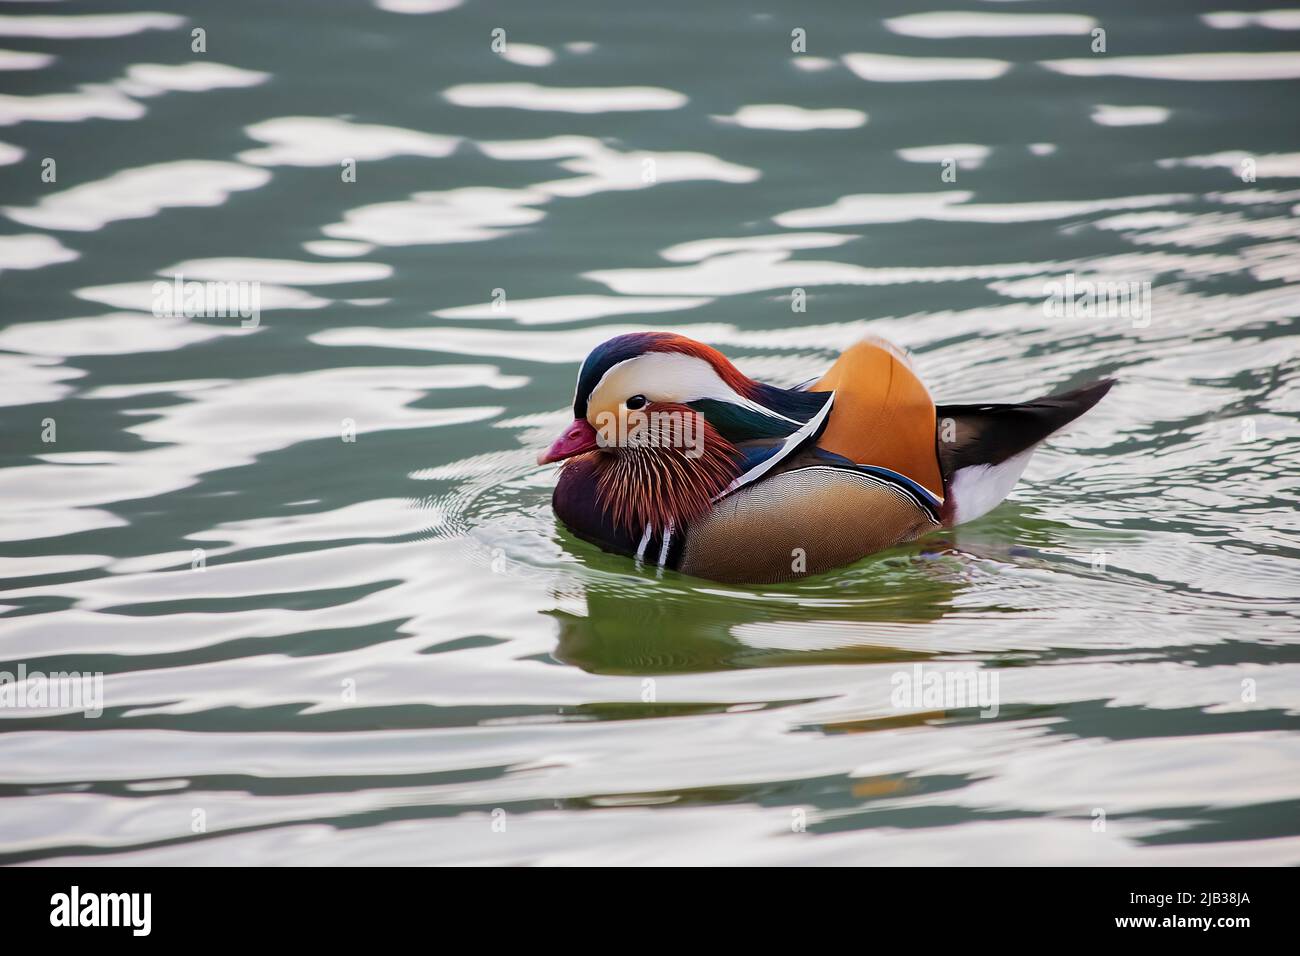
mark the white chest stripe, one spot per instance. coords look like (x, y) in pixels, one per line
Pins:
(663, 548)
(645, 542)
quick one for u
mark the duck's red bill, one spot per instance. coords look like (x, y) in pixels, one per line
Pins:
(577, 438)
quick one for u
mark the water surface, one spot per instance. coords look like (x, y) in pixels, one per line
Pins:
(383, 650)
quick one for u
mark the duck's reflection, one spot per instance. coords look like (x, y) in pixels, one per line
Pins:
(681, 625)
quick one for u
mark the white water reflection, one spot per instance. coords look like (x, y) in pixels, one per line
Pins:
(1105, 115)
(32, 250)
(22, 60)
(793, 118)
(214, 425)
(965, 155)
(115, 333)
(952, 207)
(145, 297)
(948, 24)
(1192, 67)
(698, 249)
(221, 427)
(417, 6)
(473, 214)
(154, 79)
(570, 308)
(139, 193)
(551, 346)
(117, 100)
(603, 168)
(283, 271)
(742, 272)
(884, 68)
(750, 835)
(1269, 19)
(528, 54)
(812, 64)
(1265, 166)
(29, 380)
(76, 26)
(326, 141)
(90, 101)
(365, 520)
(530, 96)
(1204, 230)
(337, 248)
(872, 208)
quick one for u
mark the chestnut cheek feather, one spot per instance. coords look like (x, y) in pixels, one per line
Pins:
(659, 485)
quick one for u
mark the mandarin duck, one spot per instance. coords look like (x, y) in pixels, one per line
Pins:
(678, 459)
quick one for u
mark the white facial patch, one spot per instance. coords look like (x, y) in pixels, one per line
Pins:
(668, 377)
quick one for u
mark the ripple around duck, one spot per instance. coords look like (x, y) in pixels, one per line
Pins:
(358, 650)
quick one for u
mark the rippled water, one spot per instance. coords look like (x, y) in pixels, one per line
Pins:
(383, 650)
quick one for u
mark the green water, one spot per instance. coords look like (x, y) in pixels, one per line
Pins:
(383, 650)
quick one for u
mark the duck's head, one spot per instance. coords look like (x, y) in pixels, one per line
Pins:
(669, 423)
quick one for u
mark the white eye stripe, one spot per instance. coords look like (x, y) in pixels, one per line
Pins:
(604, 378)
(671, 377)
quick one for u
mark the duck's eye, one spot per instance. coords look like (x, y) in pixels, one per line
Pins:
(635, 402)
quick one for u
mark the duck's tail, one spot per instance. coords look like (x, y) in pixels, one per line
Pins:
(983, 449)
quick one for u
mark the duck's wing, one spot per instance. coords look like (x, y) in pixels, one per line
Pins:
(883, 414)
